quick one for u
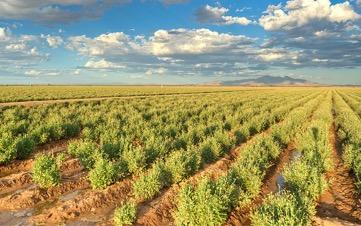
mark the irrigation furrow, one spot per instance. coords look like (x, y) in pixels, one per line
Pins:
(341, 201)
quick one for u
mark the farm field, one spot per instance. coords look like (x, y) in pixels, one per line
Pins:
(180, 155)
(31, 93)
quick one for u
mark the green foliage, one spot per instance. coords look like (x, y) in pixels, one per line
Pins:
(24, 147)
(85, 151)
(280, 210)
(219, 198)
(148, 185)
(182, 164)
(103, 174)
(7, 148)
(46, 172)
(125, 214)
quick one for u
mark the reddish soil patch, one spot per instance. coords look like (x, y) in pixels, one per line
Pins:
(87, 202)
(14, 181)
(241, 215)
(35, 195)
(19, 180)
(341, 200)
(72, 178)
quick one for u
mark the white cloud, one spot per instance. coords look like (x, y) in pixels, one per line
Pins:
(159, 71)
(116, 43)
(54, 41)
(216, 15)
(16, 47)
(102, 64)
(77, 72)
(299, 13)
(33, 72)
(4, 33)
(196, 41)
(270, 55)
(19, 50)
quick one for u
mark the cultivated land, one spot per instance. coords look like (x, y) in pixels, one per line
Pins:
(180, 155)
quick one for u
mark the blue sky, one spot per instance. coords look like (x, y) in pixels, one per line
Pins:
(178, 41)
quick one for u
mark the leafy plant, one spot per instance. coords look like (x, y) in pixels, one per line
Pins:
(103, 174)
(125, 214)
(46, 172)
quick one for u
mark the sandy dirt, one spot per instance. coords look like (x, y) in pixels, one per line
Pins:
(341, 201)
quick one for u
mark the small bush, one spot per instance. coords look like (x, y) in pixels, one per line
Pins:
(207, 204)
(126, 214)
(85, 151)
(182, 164)
(136, 158)
(150, 184)
(7, 148)
(281, 210)
(103, 174)
(24, 147)
(46, 172)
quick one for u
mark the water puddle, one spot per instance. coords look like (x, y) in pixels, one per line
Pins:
(280, 181)
(18, 218)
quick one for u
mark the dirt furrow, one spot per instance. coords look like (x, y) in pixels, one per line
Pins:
(36, 195)
(341, 200)
(272, 183)
(87, 202)
(23, 179)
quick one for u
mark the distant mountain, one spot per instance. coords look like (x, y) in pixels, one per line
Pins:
(268, 80)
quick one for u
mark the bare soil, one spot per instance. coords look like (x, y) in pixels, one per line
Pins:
(341, 201)
(87, 202)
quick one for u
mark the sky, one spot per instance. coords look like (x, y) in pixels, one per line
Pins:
(178, 41)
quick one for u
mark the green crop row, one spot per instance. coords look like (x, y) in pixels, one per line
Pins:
(137, 145)
(304, 177)
(26, 93)
(181, 164)
(349, 132)
(210, 202)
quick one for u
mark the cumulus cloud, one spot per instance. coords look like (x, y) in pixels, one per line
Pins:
(54, 11)
(102, 64)
(4, 33)
(32, 72)
(54, 41)
(217, 15)
(159, 71)
(19, 49)
(298, 13)
(320, 31)
(195, 41)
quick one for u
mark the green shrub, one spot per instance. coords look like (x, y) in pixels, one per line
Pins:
(7, 148)
(103, 174)
(46, 172)
(280, 210)
(24, 147)
(207, 204)
(136, 158)
(148, 185)
(182, 164)
(85, 151)
(125, 214)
